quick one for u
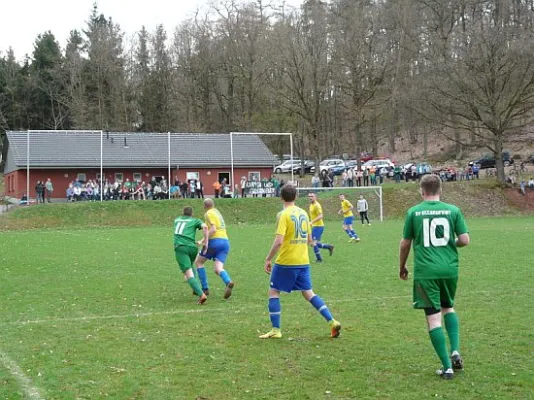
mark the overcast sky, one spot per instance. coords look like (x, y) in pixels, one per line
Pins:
(23, 20)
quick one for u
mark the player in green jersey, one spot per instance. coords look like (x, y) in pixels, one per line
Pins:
(436, 230)
(185, 247)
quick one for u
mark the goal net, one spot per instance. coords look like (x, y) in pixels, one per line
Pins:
(329, 199)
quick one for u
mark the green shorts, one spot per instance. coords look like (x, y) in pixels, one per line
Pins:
(434, 293)
(185, 256)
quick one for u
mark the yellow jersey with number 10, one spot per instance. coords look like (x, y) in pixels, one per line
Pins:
(294, 226)
(346, 207)
(315, 211)
(214, 218)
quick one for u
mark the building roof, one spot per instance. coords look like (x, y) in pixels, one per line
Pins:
(78, 149)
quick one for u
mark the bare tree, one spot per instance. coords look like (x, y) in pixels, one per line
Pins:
(486, 85)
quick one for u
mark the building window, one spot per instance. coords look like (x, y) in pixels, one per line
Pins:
(81, 178)
(191, 176)
(137, 177)
(119, 177)
(254, 176)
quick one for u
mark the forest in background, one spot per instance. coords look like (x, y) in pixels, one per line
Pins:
(343, 74)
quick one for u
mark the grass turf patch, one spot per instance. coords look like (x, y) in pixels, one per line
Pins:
(104, 313)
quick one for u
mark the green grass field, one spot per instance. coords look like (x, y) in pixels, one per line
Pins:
(104, 313)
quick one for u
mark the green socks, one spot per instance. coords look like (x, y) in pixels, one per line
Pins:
(453, 330)
(437, 337)
(195, 285)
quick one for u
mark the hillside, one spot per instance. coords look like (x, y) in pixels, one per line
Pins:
(441, 150)
(480, 199)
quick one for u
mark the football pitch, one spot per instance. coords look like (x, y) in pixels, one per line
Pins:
(105, 313)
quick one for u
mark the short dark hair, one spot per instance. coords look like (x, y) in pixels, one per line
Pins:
(288, 192)
(188, 211)
(431, 185)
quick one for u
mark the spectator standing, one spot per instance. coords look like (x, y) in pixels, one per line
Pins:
(363, 208)
(350, 177)
(522, 187)
(359, 176)
(192, 188)
(345, 178)
(200, 189)
(331, 178)
(315, 181)
(531, 183)
(372, 175)
(39, 188)
(96, 192)
(413, 171)
(217, 188)
(183, 189)
(276, 185)
(243, 185)
(264, 183)
(49, 188)
(397, 173)
(382, 174)
(365, 177)
(476, 171)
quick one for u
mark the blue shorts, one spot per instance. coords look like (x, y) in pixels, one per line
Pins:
(218, 249)
(317, 232)
(348, 220)
(287, 279)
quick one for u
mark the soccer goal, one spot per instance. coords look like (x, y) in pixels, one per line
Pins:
(283, 134)
(329, 199)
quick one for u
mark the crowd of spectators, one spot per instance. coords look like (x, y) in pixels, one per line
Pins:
(156, 189)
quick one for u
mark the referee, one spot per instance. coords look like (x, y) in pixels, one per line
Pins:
(363, 207)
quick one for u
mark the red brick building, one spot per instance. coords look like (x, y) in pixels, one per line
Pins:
(69, 155)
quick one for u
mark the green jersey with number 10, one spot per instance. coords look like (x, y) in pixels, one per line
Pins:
(433, 227)
(185, 229)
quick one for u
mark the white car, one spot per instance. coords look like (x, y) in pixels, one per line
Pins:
(379, 164)
(327, 165)
(286, 166)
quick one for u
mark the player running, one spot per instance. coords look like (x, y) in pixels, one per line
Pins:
(436, 229)
(292, 268)
(317, 223)
(348, 218)
(185, 247)
(217, 249)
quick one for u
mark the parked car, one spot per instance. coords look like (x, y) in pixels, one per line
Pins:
(351, 164)
(488, 160)
(381, 163)
(286, 166)
(338, 169)
(308, 165)
(326, 165)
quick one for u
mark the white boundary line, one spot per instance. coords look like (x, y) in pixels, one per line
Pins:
(200, 309)
(30, 391)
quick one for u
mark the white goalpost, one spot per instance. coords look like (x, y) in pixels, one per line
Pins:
(375, 202)
(258, 134)
(28, 161)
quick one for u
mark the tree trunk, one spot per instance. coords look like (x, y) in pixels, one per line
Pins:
(499, 164)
